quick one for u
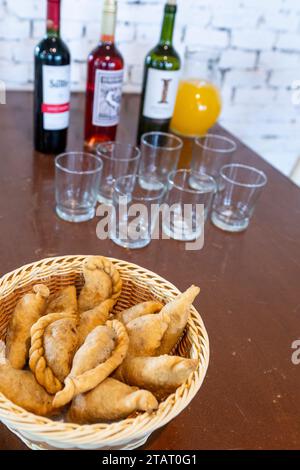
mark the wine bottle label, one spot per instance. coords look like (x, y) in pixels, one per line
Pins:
(107, 97)
(160, 96)
(56, 97)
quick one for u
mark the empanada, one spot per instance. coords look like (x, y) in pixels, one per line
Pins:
(97, 348)
(139, 310)
(27, 311)
(95, 317)
(161, 375)
(53, 345)
(102, 352)
(111, 400)
(178, 311)
(102, 281)
(146, 332)
(60, 344)
(22, 389)
(63, 300)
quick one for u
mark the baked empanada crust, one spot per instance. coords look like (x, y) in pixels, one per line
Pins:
(64, 300)
(102, 281)
(95, 317)
(88, 379)
(111, 400)
(27, 311)
(145, 333)
(139, 310)
(161, 375)
(178, 311)
(60, 343)
(96, 349)
(22, 389)
(38, 363)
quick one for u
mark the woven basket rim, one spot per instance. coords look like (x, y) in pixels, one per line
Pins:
(22, 419)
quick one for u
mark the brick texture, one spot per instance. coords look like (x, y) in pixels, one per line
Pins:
(258, 40)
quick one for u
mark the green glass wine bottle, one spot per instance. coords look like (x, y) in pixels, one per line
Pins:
(161, 76)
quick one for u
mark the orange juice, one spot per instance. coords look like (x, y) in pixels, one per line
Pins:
(198, 106)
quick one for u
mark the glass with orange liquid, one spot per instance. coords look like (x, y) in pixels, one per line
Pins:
(198, 103)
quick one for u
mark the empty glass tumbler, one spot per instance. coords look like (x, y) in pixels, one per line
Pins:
(239, 189)
(119, 159)
(160, 156)
(187, 207)
(135, 210)
(210, 153)
(77, 178)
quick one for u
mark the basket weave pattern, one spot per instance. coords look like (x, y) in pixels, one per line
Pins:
(139, 285)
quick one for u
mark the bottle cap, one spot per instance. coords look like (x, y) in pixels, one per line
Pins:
(172, 2)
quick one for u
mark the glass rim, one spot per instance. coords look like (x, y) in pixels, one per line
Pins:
(140, 198)
(218, 137)
(117, 143)
(79, 172)
(200, 48)
(167, 134)
(245, 167)
(190, 172)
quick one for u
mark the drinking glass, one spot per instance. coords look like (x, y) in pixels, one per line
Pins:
(210, 153)
(135, 211)
(119, 159)
(160, 155)
(234, 203)
(188, 207)
(77, 177)
(198, 103)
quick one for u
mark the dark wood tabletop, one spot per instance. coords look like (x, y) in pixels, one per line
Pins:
(250, 286)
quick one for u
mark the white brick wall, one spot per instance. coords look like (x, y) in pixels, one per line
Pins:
(260, 59)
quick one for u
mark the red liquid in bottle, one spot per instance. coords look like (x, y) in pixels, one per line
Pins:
(104, 84)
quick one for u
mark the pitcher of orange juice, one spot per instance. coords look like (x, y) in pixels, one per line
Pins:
(198, 103)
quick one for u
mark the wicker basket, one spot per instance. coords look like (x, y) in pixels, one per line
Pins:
(139, 285)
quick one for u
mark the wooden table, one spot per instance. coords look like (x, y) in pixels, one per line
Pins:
(250, 300)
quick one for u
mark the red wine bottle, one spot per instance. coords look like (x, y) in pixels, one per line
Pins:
(104, 83)
(51, 87)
